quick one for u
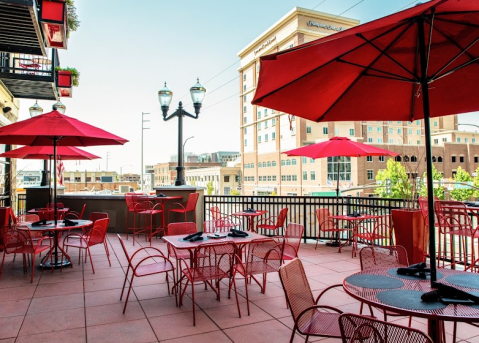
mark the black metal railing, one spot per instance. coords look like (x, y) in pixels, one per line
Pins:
(21, 203)
(29, 65)
(302, 209)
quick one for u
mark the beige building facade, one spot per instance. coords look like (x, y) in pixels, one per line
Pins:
(224, 179)
(266, 133)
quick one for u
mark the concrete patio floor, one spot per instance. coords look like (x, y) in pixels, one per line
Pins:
(75, 305)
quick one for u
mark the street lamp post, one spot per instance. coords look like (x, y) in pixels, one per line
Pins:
(36, 110)
(469, 124)
(186, 140)
(143, 128)
(165, 96)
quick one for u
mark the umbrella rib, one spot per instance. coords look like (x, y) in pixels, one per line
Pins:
(384, 52)
(395, 76)
(362, 73)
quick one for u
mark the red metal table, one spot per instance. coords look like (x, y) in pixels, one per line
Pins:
(250, 217)
(406, 298)
(354, 224)
(57, 229)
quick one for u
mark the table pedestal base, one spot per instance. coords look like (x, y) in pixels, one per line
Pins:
(56, 264)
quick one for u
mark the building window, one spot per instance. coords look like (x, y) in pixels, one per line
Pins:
(273, 163)
(379, 129)
(453, 159)
(308, 129)
(259, 126)
(288, 177)
(370, 174)
(265, 112)
(369, 158)
(476, 159)
(325, 130)
(313, 175)
(466, 140)
(268, 164)
(245, 142)
(244, 77)
(305, 175)
(264, 164)
(258, 115)
(370, 140)
(461, 159)
(390, 130)
(409, 131)
(380, 140)
(273, 122)
(336, 132)
(436, 141)
(245, 119)
(288, 162)
(283, 162)
(269, 177)
(381, 158)
(435, 123)
(266, 124)
(311, 160)
(244, 88)
(370, 129)
(245, 130)
(473, 140)
(305, 160)
(273, 136)
(418, 142)
(283, 177)
(266, 137)
(343, 164)
(226, 178)
(418, 122)
(399, 131)
(351, 132)
(444, 139)
(391, 141)
(259, 139)
(418, 132)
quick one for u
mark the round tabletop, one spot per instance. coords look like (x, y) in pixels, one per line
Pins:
(382, 288)
(50, 226)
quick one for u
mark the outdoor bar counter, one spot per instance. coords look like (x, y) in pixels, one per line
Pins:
(114, 205)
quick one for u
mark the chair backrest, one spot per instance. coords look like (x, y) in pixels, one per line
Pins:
(82, 211)
(356, 328)
(424, 206)
(181, 228)
(282, 217)
(293, 234)
(95, 216)
(52, 205)
(325, 224)
(224, 224)
(192, 200)
(98, 233)
(5, 213)
(124, 250)
(10, 238)
(264, 256)
(214, 261)
(383, 256)
(27, 218)
(452, 215)
(215, 212)
(209, 226)
(297, 289)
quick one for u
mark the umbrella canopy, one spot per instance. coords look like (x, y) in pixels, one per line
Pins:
(56, 129)
(336, 147)
(46, 153)
(54, 126)
(418, 63)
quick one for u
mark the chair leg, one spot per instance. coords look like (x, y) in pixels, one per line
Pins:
(91, 259)
(194, 304)
(105, 244)
(129, 290)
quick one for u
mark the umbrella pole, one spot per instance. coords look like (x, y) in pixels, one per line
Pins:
(337, 191)
(50, 180)
(427, 134)
(55, 178)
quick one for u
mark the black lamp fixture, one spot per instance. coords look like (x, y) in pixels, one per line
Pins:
(58, 106)
(35, 110)
(165, 95)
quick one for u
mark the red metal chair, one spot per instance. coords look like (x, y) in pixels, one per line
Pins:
(75, 214)
(7, 243)
(52, 205)
(310, 319)
(274, 222)
(291, 240)
(190, 206)
(94, 237)
(211, 263)
(264, 256)
(424, 206)
(154, 263)
(224, 222)
(355, 328)
(327, 225)
(148, 222)
(20, 241)
(455, 221)
(131, 202)
(382, 230)
(46, 213)
(209, 226)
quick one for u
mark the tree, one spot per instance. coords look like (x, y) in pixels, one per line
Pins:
(400, 187)
(234, 192)
(475, 183)
(73, 23)
(439, 190)
(459, 193)
(209, 187)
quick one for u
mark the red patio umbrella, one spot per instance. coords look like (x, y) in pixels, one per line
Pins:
(338, 147)
(414, 64)
(46, 153)
(56, 129)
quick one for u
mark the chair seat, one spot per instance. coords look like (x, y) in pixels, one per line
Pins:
(206, 273)
(150, 212)
(77, 243)
(368, 236)
(267, 227)
(465, 233)
(257, 267)
(320, 324)
(154, 268)
(31, 250)
(180, 210)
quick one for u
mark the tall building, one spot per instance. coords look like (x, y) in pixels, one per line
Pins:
(266, 133)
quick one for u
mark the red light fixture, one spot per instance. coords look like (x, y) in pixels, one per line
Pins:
(53, 19)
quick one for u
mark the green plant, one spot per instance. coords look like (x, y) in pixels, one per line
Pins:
(234, 192)
(439, 190)
(75, 74)
(273, 193)
(461, 194)
(73, 23)
(399, 187)
(209, 188)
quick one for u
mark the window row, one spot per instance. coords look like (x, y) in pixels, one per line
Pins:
(265, 124)
(267, 164)
(289, 177)
(266, 137)
(267, 178)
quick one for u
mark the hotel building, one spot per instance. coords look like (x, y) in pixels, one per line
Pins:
(266, 133)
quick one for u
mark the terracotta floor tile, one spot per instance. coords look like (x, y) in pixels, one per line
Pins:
(104, 284)
(113, 313)
(181, 325)
(227, 316)
(275, 307)
(54, 321)
(138, 331)
(209, 337)
(56, 303)
(10, 326)
(266, 331)
(151, 291)
(164, 306)
(70, 336)
(47, 290)
(14, 308)
(105, 297)
(17, 293)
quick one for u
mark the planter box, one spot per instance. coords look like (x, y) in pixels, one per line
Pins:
(410, 233)
(53, 19)
(64, 79)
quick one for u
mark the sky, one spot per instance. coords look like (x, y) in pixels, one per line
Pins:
(125, 51)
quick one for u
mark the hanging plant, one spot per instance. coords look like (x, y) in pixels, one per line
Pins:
(75, 75)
